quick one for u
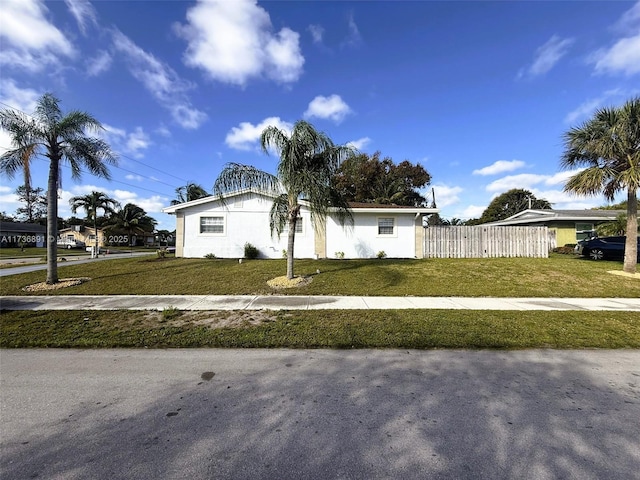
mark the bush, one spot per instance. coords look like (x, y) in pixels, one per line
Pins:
(381, 254)
(250, 252)
(339, 255)
(566, 250)
(210, 256)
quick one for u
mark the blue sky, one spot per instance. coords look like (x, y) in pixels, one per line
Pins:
(477, 92)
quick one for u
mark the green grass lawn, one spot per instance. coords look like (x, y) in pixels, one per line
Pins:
(416, 329)
(557, 276)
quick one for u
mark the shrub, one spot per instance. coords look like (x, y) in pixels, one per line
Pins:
(210, 255)
(250, 252)
(339, 255)
(566, 250)
(381, 254)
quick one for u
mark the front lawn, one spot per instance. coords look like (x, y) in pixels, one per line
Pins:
(557, 276)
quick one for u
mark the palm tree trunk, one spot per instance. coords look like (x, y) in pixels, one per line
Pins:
(290, 242)
(52, 223)
(631, 245)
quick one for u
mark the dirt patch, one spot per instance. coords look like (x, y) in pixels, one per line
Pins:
(62, 283)
(284, 282)
(212, 319)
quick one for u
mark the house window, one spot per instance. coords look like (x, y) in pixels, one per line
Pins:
(212, 225)
(584, 231)
(386, 226)
(299, 226)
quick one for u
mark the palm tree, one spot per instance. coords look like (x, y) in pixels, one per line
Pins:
(188, 192)
(60, 138)
(91, 203)
(308, 161)
(131, 219)
(608, 145)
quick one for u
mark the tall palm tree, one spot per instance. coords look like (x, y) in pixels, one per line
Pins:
(60, 138)
(91, 203)
(131, 219)
(188, 192)
(608, 146)
(308, 161)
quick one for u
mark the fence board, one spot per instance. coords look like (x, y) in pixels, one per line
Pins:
(486, 242)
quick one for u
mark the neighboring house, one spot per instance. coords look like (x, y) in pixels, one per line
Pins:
(206, 226)
(18, 234)
(80, 233)
(570, 226)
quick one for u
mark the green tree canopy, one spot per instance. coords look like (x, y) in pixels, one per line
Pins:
(130, 220)
(308, 162)
(62, 139)
(367, 178)
(607, 148)
(91, 203)
(35, 205)
(511, 202)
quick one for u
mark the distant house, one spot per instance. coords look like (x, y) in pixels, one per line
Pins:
(570, 226)
(206, 226)
(80, 233)
(19, 234)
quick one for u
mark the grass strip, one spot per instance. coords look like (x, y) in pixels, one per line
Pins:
(415, 329)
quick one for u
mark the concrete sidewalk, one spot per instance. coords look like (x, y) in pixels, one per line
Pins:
(291, 302)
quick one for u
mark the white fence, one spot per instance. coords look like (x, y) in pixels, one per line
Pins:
(483, 242)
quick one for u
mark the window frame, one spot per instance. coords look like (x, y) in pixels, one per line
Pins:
(213, 234)
(394, 226)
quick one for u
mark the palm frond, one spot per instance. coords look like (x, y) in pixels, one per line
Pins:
(235, 177)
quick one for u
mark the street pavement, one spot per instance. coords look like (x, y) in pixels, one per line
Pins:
(319, 414)
(301, 302)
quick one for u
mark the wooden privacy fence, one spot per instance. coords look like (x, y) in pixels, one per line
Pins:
(484, 242)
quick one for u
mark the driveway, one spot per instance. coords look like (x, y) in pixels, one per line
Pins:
(319, 414)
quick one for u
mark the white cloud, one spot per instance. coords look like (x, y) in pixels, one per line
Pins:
(152, 204)
(130, 143)
(623, 57)
(83, 12)
(161, 81)
(548, 55)
(360, 143)
(23, 99)
(446, 195)
(500, 166)
(233, 42)
(99, 64)
(246, 135)
(29, 40)
(471, 211)
(524, 180)
(137, 178)
(331, 107)
(317, 33)
(354, 39)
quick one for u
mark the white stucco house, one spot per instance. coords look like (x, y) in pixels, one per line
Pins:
(207, 226)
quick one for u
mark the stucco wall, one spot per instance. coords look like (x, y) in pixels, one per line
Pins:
(362, 240)
(246, 219)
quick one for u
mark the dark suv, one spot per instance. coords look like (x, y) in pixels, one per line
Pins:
(604, 247)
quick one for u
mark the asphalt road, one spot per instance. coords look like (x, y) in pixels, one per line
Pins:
(319, 414)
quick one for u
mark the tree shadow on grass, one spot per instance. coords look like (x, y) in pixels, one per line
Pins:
(237, 414)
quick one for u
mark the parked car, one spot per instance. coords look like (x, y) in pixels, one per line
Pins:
(70, 243)
(600, 248)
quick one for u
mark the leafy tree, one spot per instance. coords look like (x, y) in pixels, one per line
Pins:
(608, 147)
(188, 192)
(308, 161)
(91, 203)
(35, 209)
(60, 138)
(614, 227)
(132, 220)
(511, 202)
(6, 218)
(364, 178)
